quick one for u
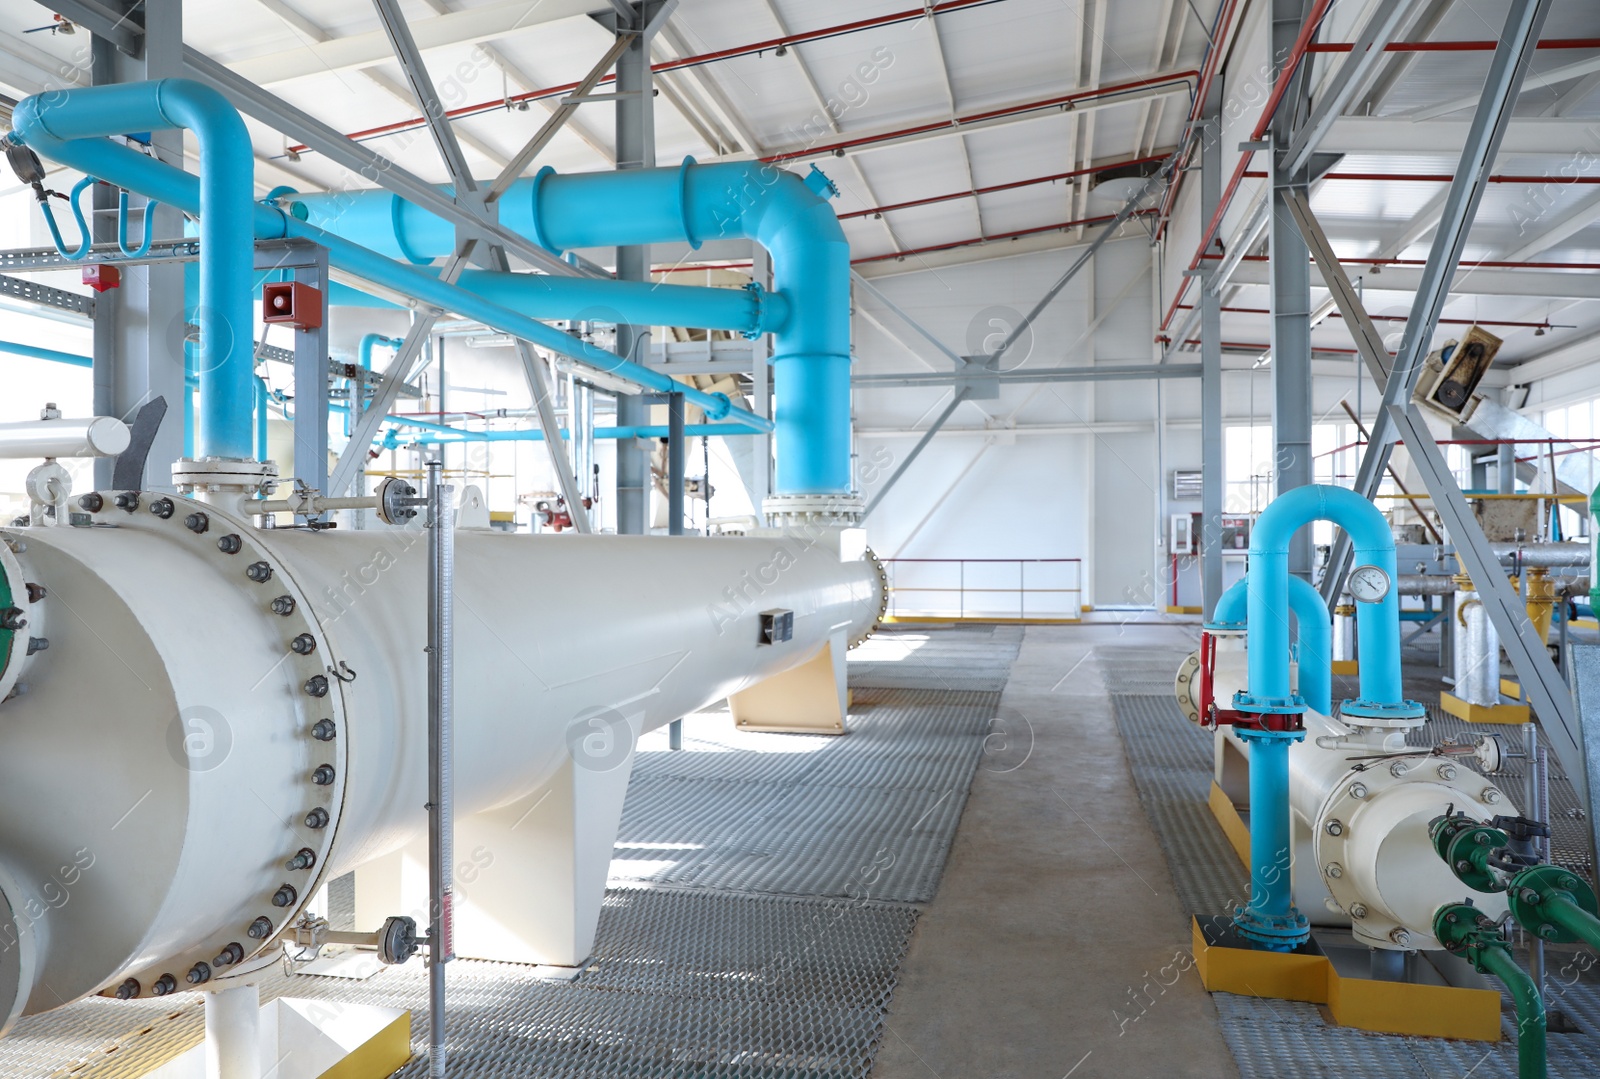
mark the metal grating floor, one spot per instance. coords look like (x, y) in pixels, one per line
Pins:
(1275, 1039)
(768, 944)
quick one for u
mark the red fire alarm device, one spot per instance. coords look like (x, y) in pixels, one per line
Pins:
(297, 304)
(101, 276)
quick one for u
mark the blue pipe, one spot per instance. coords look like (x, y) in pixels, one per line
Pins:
(1271, 919)
(438, 432)
(71, 125)
(122, 227)
(85, 236)
(691, 203)
(751, 312)
(174, 187)
(358, 390)
(71, 359)
(1314, 647)
(1377, 624)
(261, 419)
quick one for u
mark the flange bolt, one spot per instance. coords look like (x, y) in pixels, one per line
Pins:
(37, 644)
(230, 955)
(317, 818)
(13, 618)
(283, 605)
(164, 985)
(1447, 771)
(305, 859)
(129, 989)
(1399, 768)
(127, 500)
(162, 508)
(1358, 911)
(1529, 896)
(317, 685)
(1334, 827)
(197, 522)
(259, 572)
(323, 776)
(259, 929)
(198, 973)
(1491, 795)
(94, 503)
(304, 644)
(1358, 790)
(284, 896)
(324, 731)
(230, 544)
(1335, 870)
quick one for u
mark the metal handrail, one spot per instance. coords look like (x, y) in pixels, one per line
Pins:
(1021, 590)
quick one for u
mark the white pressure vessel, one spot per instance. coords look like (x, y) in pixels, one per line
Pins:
(224, 718)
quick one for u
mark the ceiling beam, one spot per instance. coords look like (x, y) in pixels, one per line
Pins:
(489, 22)
(1391, 135)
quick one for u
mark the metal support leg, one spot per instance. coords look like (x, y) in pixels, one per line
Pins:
(1211, 464)
(441, 793)
(1290, 299)
(233, 1033)
(139, 328)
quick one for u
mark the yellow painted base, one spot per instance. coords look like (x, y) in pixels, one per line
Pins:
(1433, 1011)
(1345, 666)
(1233, 825)
(380, 1056)
(1480, 713)
(925, 620)
(1436, 1011)
(808, 699)
(1511, 689)
(1183, 610)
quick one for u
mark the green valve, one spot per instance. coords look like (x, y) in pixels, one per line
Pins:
(1594, 548)
(1554, 904)
(1466, 847)
(1464, 930)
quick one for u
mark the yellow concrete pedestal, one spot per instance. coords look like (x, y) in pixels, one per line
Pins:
(1483, 713)
(1345, 666)
(809, 699)
(1438, 1011)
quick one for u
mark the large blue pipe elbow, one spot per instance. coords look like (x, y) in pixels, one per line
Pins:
(690, 203)
(1377, 624)
(47, 122)
(174, 187)
(1314, 638)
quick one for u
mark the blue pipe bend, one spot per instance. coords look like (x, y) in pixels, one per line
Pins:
(1378, 624)
(1314, 642)
(51, 122)
(689, 203)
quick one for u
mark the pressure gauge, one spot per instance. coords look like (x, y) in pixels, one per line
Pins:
(1369, 584)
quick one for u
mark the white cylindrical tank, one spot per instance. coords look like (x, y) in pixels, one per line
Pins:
(224, 718)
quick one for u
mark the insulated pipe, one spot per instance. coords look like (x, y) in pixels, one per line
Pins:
(176, 188)
(223, 203)
(748, 311)
(1377, 624)
(95, 436)
(1316, 680)
(687, 204)
(71, 359)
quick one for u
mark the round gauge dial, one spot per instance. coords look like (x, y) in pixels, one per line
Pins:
(1369, 584)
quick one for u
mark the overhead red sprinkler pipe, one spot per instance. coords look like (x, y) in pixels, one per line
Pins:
(1459, 46)
(1280, 87)
(1065, 101)
(976, 191)
(1437, 177)
(753, 49)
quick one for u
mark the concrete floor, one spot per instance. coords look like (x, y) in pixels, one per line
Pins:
(1045, 952)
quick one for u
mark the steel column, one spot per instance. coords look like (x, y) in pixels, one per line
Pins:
(636, 149)
(1290, 270)
(441, 748)
(1211, 459)
(307, 264)
(140, 328)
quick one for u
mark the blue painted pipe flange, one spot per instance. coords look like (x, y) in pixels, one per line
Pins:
(1274, 933)
(1377, 714)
